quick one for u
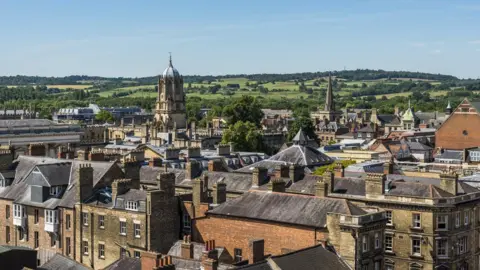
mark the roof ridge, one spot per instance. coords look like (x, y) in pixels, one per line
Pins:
(297, 195)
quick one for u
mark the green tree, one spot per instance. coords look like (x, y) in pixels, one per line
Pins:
(245, 136)
(104, 116)
(245, 109)
(305, 124)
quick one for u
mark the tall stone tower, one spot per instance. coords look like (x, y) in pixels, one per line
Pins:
(170, 112)
(329, 106)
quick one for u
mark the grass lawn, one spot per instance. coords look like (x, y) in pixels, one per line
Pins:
(71, 86)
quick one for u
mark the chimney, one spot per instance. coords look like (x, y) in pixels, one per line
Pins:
(82, 155)
(122, 122)
(84, 187)
(277, 185)
(150, 260)
(155, 162)
(200, 193)
(119, 187)
(187, 247)
(296, 173)
(375, 184)
(256, 249)
(36, 149)
(172, 153)
(388, 167)
(166, 182)
(282, 171)
(165, 263)
(6, 159)
(259, 176)
(321, 189)
(219, 193)
(192, 169)
(210, 256)
(96, 155)
(339, 170)
(396, 110)
(328, 178)
(132, 171)
(223, 150)
(193, 152)
(449, 182)
(215, 165)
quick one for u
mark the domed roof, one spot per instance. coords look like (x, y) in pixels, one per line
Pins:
(170, 71)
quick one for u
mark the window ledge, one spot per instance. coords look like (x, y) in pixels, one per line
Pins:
(389, 252)
(420, 229)
(102, 257)
(416, 256)
(137, 236)
(123, 234)
(102, 227)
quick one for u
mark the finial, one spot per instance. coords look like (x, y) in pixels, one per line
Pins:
(170, 58)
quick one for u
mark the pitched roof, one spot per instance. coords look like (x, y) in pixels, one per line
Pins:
(418, 146)
(55, 174)
(60, 262)
(125, 263)
(302, 155)
(286, 208)
(235, 181)
(300, 138)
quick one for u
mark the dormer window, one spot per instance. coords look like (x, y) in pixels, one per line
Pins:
(55, 190)
(131, 205)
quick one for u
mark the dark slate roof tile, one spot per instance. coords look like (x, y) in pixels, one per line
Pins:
(313, 258)
(125, 263)
(60, 262)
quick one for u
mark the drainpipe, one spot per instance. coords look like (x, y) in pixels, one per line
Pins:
(355, 260)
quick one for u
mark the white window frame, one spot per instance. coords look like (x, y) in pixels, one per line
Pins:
(364, 243)
(85, 247)
(101, 221)
(137, 230)
(51, 216)
(389, 215)
(136, 254)
(457, 219)
(415, 246)
(389, 244)
(377, 240)
(440, 248)
(131, 205)
(442, 219)
(123, 228)
(462, 245)
(416, 221)
(85, 218)
(55, 190)
(101, 251)
(466, 216)
(19, 211)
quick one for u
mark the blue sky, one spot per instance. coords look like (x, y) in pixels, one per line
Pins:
(133, 38)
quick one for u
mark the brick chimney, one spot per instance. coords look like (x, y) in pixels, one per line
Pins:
(150, 260)
(96, 155)
(200, 193)
(119, 187)
(165, 263)
(256, 250)
(155, 162)
(6, 159)
(259, 176)
(296, 173)
(192, 169)
(166, 182)
(132, 171)
(210, 256)
(84, 187)
(223, 149)
(321, 189)
(37, 150)
(449, 182)
(82, 155)
(282, 171)
(219, 193)
(388, 167)
(277, 185)
(215, 165)
(329, 179)
(187, 247)
(64, 153)
(339, 170)
(375, 184)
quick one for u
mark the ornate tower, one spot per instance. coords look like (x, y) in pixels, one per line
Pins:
(329, 106)
(170, 110)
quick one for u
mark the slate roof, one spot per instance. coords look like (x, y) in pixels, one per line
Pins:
(285, 208)
(386, 118)
(149, 174)
(22, 123)
(451, 154)
(125, 263)
(235, 181)
(366, 128)
(418, 146)
(311, 258)
(350, 186)
(300, 138)
(60, 262)
(55, 174)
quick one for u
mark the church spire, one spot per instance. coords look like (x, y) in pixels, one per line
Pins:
(329, 96)
(170, 62)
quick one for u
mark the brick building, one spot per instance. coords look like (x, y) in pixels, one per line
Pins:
(460, 131)
(286, 222)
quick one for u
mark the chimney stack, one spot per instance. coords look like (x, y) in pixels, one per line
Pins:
(210, 256)
(96, 155)
(329, 179)
(150, 260)
(215, 165)
(259, 176)
(256, 248)
(449, 182)
(166, 182)
(119, 187)
(192, 169)
(223, 150)
(82, 155)
(37, 150)
(296, 173)
(375, 184)
(339, 170)
(84, 187)
(277, 185)
(219, 193)
(282, 171)
(388, 166)
(155, 162)
(187, 247)
(200, 193)
(193, 152)
(6, 157)
(132, 171)
(321, 189)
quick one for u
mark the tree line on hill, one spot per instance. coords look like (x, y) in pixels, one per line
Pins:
(359, 74)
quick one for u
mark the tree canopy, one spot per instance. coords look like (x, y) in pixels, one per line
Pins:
(104, 116)
(244, 136)
(304, 123)
(246, 109)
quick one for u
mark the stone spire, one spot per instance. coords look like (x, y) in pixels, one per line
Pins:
(329, 96)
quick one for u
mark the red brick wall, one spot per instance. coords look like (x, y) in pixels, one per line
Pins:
(234, 233)
(450, 135)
